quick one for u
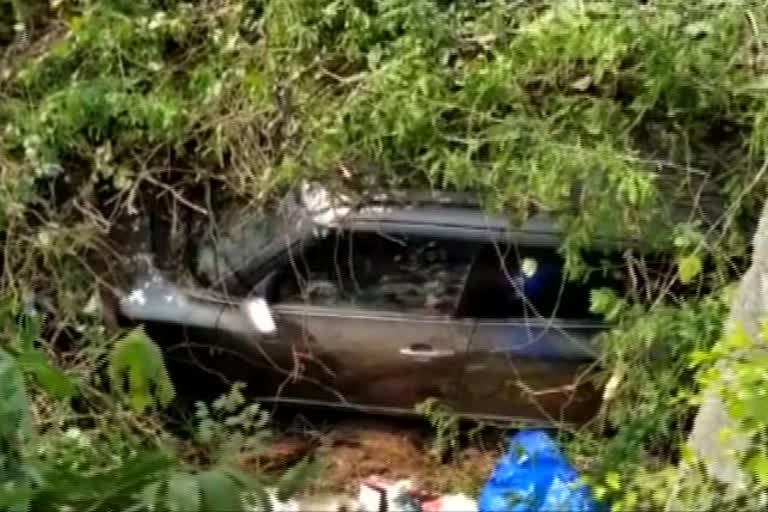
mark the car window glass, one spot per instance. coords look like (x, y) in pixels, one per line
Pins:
(379, 272)
(519, 282)
(247, 245)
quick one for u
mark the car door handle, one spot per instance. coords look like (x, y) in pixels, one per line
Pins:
(425, 351)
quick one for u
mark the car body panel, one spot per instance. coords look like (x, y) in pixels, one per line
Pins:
(375, 358)
(462, 225)
(535, 368)
(156, 299)
(521, 369)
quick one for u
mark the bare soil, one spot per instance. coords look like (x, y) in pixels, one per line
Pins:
(352, 449)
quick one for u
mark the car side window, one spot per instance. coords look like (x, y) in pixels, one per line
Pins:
(519, 282)
(378, 271)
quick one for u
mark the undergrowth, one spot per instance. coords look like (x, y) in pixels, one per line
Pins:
(604, 114)
(117, 458)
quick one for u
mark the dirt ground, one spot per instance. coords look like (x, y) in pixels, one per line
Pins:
(353, 449)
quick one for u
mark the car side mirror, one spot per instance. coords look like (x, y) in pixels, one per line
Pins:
(260, 315)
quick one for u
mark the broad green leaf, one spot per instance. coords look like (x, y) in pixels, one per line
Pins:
(245, 480)
(737, 409)
(14, 417)
(17, 499)
(756, 406)
(150, 495)
(687, 454)
(220, 493)
(599, 491)
(138, 359)
(697, 357)
(738, 339)
(758, 466)
(30, 329)
(49, 378)
(613, 481)
(605, 301)
(183, 493)
(688, 267)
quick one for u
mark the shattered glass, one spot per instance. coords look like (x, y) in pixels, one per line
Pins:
(246, 246)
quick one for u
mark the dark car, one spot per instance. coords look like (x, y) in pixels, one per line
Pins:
(383, 305)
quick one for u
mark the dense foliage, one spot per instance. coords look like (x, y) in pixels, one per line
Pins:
(603, 113)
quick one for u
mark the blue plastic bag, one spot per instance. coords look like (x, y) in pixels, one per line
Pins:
(534, 476)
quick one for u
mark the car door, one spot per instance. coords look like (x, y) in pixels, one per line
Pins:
(369, 320)
(532, 353)
(375, 359)
(533, 370)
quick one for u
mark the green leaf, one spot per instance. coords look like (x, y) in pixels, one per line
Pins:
(30, 329)
(758, 466)
(757, 407)
(183, 493)
(150, 495)
(688, 267)
(14, 417)
(220, 493)
(605, 301)
(698, 28)
(52, 380)
(292, 481)
(738, 339)
(259, 495)
(138, 359)
(255, 489)
(108, 488)
(613, 481)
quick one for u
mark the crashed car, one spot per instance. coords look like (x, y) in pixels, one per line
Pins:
(381, 304)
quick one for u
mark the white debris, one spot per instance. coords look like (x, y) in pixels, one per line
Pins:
(395, 496)
(332, 503)
(329, 504)
(93, 306)
(452, 503)
(613, 384)
(44, 239)
(377, 494)
(76, 435)
(137, 297)
(325, 209)
(275, 505)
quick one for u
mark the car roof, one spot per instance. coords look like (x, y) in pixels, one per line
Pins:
(451, 215)
(427, 213)
(464, 222)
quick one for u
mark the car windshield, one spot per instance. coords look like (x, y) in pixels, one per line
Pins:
(248, 246)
